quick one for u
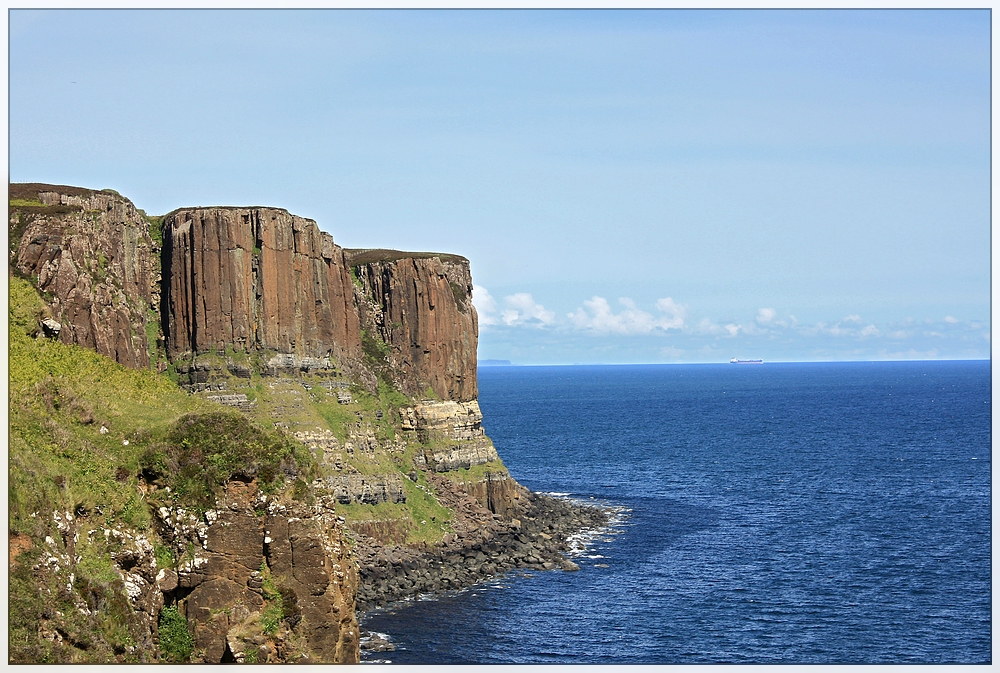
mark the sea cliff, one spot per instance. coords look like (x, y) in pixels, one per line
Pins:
(285, 432)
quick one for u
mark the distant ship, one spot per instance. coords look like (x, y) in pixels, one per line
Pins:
(734, 361)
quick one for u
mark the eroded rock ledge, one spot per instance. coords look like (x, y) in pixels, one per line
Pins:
(219, 584)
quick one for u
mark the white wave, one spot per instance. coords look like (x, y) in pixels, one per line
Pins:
(580, 542)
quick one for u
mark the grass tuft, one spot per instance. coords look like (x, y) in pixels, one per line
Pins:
(176, 643)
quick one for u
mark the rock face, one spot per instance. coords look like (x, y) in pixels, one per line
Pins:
(93, 255)
(253, 279)
(256, 278)
(221, 587)
(455, 429)
(420, 305)
(366, 489)
(257, 292)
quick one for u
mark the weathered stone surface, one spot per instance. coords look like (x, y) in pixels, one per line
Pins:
(300, 546)
(238, 400)
(256, 278)
(420, 305)
(249, 278)
(91, 251)
(309, 556)
(459, 426)
(365, 488)
(459, 421)
(496, 491)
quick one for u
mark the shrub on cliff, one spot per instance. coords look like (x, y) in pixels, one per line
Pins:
(176, 643)
(204, 451)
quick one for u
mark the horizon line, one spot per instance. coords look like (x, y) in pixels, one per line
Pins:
(721, 362)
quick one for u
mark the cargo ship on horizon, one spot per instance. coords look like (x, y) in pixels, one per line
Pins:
(736, 361)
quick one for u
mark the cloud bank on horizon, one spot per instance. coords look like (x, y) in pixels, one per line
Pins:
(509, 327)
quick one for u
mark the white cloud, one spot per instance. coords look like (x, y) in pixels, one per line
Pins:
(522, 309)
(486, 305)
(673, 311)
(950, 319)
(706, 326)
(870, 330)
(853, 319)
(765, 315)
(596, 316)
(518, 309)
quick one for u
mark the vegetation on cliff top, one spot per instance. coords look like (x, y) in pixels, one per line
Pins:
(359, 257)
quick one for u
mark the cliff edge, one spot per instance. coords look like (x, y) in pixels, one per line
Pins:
(314, 445)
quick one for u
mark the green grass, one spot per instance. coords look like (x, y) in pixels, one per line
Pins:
(155, 226)
(60, 397)
(476, 473)
(280, 602)
(152, 336)
(20, 203)
(419, 507)
(337, 416)
(202, 451)
(374, 348)
(176, 643)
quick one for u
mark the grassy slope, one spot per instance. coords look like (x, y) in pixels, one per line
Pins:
(60, 397)
(59, 460)
(318, 409)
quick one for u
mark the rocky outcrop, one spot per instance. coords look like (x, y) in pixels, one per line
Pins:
(348, 485)
(482, 547)
(496, 491)
(365, 488)
(256, 278)
(221, 586)
(252, 279)
(91, 254)
(454, 431)
(420, 306)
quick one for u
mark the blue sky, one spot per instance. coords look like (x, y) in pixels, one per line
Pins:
(634, 186)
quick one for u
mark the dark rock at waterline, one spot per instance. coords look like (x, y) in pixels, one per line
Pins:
(537, 543)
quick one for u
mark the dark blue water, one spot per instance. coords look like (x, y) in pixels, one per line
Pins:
(801, 513)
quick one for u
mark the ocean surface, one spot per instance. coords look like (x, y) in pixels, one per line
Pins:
(779, 513)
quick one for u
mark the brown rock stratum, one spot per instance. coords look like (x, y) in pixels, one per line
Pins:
(421, 306)
(91, 252)
(256, 278)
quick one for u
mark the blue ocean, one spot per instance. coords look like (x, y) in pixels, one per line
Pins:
(825, 513)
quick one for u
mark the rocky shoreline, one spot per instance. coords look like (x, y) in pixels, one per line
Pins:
(537, 540)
